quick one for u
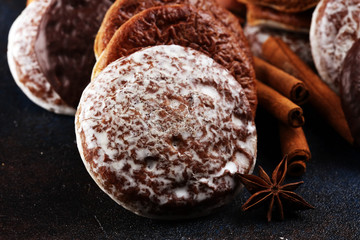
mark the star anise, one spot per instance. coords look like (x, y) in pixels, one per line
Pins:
(266, 190)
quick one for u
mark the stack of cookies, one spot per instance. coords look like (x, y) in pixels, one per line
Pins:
(175, 98)
(166, 125)
(165, 93)
(165, 117)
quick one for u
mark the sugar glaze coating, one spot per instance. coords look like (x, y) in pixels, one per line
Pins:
(23, 62)
(334, 29)
(165, 131)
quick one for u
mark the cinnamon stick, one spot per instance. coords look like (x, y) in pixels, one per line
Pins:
(293, 143)
(324, 100)
(279, 106)
(284, 83)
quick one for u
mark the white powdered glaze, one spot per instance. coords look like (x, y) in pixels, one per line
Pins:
(298, 42)
(334, 29)
(171, 126)
(23, 62)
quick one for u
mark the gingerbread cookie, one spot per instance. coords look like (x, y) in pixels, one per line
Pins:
(50, 50)
(165, 131)
(334, 29)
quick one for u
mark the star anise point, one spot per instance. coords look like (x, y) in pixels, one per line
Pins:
(266, 189)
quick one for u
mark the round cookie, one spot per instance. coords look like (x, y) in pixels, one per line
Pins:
(23, 62)
(334, 29)
(165, 132)
(123, 10)
(350, 90)
(50, 50)
(186, 26)
(284, 5)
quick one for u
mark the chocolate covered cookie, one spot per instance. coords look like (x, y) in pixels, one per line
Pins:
(123, 10)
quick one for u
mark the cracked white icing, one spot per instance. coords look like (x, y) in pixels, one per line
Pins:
(334, 29)
(23, 62)
(165, 131)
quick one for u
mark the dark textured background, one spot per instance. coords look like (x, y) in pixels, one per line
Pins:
(46, 193)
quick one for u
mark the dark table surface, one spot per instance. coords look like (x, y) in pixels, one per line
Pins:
(46, 193)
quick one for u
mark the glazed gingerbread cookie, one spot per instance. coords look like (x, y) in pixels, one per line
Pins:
(23, 62)
(50, 50)
(165, 131)
(334, 29)
(186, 26)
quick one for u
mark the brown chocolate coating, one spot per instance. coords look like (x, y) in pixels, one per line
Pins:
(185, 26)
(350, 90)
(123, 10)
(64, 45)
